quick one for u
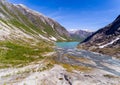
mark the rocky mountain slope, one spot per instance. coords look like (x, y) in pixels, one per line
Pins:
(79, 35)
(30, 22)
(26, 35)
(105, 40)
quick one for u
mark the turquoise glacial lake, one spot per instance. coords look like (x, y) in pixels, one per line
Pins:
(67, 45)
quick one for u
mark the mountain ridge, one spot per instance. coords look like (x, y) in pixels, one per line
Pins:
(20, 14)
(106, 40)
(80, 35)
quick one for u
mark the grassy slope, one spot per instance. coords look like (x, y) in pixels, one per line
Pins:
(14, 54)
(18, 52)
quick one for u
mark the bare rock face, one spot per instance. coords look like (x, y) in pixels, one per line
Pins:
(105, 40)
(32, 22)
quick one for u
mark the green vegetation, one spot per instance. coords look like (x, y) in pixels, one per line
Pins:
(52, 60)
(49, 30)
(4, 84)
(20, 25)
(70, 68)
(20, 51)
(60, 78)
(29, 24)
(12, 54)
(109, 76)
(46, 67)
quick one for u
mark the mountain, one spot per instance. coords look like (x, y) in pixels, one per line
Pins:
(105, 40)
(31, 22)
(26, 35)
(80, 35)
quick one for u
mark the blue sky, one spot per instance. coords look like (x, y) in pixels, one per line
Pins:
(76, 14)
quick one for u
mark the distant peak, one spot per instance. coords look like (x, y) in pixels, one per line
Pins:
(73, 29)
(76, 30)
(87, 30)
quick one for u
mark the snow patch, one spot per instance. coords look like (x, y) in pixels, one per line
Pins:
(109, 43)
(44, 32)
(53, 38)
(62, 38)
(44, 37)
(52, 25)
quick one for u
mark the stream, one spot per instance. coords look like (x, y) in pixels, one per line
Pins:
(95, 60)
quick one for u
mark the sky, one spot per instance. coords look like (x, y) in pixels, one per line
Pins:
(76, 14)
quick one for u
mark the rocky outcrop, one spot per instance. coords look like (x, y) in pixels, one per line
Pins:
(105, 40)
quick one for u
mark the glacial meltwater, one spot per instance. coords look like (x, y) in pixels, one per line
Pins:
(99, 61)
(67, 45)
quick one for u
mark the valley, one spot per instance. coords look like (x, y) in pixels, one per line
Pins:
(37, 50)
(66, 66)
